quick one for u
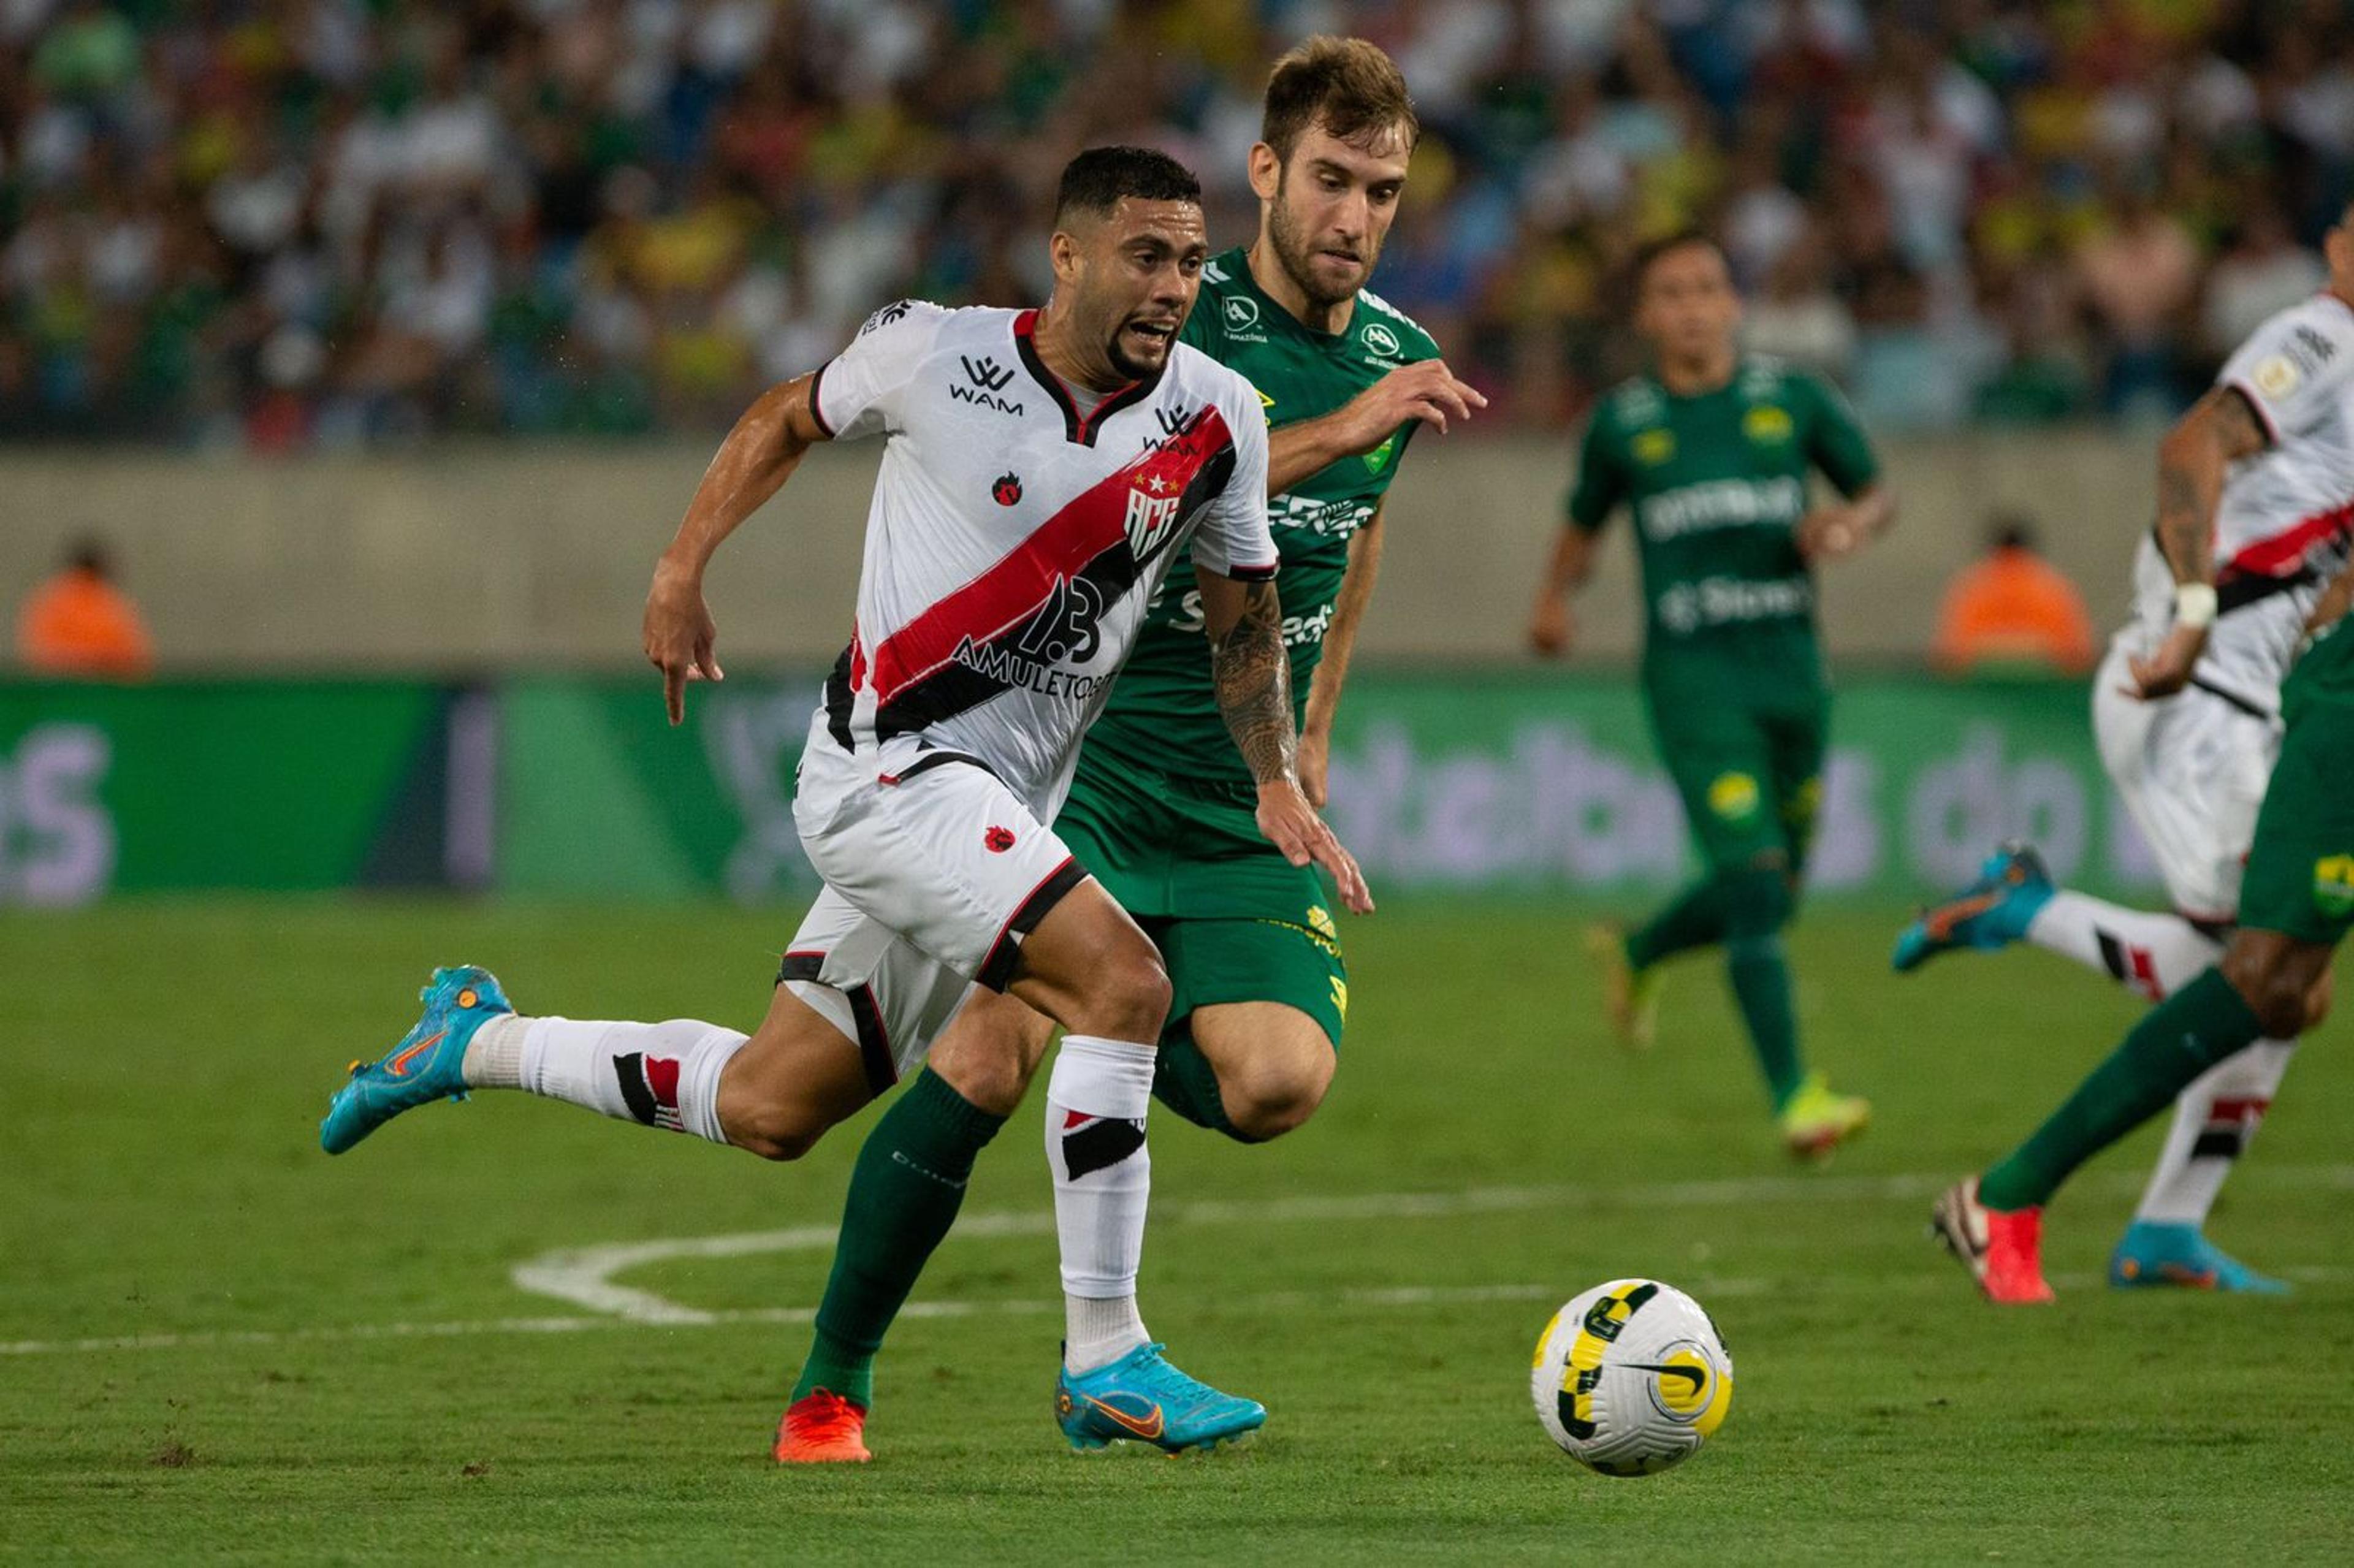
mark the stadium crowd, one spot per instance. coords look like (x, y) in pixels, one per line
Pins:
(302, 223)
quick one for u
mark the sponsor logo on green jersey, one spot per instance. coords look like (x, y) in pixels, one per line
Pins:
(1722, 503)
(1731, 601)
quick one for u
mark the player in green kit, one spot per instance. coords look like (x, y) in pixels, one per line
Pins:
(2296, 904)
(1258, 987)
(1711, 454)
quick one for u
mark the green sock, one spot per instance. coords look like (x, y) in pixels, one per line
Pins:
(2181, 1038)
(904, 1194)
(1183, 1080)
(1695, 919)
(1761, 985)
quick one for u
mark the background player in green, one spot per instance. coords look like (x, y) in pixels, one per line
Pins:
(2296, 904)
(1253, 960)
(1711, 453)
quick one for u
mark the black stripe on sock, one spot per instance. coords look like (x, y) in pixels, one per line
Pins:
(630, 1070)
(1100, 1145)
(2217, 1144)
(873, 1040)
(2112, 956)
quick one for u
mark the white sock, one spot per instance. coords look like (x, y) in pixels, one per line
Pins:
(2214, 1120)
(658, 1074)
(2153, 954)
(1096, 1104)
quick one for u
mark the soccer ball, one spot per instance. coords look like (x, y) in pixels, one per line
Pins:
(1631, 1378)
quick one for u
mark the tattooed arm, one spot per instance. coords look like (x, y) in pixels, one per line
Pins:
(1252, 674)
(2220, 429)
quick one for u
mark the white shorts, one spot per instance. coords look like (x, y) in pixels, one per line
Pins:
(2192, 770)
(935, 873)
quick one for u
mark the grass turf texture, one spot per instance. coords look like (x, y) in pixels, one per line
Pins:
(165, 1065)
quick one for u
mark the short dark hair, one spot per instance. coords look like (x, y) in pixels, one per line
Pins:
(1096, 181)
(1648, 253)
(90, 554)
(1346, 85)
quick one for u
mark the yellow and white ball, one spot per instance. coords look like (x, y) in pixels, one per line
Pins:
(1631, 1378)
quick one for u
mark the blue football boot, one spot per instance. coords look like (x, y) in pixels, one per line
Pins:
(1141, 1398)
(1990, 912)
(2153, 1253)
(427, 1064)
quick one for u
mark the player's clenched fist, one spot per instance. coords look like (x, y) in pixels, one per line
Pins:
(678, 635)
(1550, 626)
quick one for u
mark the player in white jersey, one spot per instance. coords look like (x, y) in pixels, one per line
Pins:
(1040, 471)
(2256, 504)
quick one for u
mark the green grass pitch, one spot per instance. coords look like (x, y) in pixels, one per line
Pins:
(215, 1341)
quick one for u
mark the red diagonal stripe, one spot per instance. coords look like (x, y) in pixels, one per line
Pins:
(2286, 552)
(1011, 589)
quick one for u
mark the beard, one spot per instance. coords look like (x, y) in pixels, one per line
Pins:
(1296, 257)
(1120, 361)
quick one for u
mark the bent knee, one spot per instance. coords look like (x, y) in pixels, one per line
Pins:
(1270, 1104)
(774, 1132)
(1133, 993)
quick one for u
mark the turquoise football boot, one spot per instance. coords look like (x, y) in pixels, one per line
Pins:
(1141, 1398)
(427, 1064)
(2157, 1254)
(1992, 912)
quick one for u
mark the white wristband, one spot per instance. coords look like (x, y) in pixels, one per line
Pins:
(2194, 605)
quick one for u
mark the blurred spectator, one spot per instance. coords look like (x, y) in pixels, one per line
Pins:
(336, 222)
(2012, 609)
(82, 623)
(2265, 271)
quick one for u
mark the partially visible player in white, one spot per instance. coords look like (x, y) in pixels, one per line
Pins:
(2255, 507)
(1040, 471)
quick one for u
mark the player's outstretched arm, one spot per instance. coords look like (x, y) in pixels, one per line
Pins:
(1424, 390)
(2220, 429)
(1252, 674)
(753, 463)
(1552, 627)
(1340, 643)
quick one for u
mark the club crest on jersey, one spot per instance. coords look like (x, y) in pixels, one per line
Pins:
(984, 378)
(1007, 490)
(1151, 515)
(2333, 885)
(998, 840)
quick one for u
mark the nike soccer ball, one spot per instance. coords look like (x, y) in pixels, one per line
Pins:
(1631, 1378)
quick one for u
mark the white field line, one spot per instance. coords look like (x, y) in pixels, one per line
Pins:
(583, 1275)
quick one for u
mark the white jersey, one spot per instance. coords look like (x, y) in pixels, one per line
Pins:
(1013, 541)
(2283, 520)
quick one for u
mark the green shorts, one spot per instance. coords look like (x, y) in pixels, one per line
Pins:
(1234, 920)
(1750, 773)
(2300, 877)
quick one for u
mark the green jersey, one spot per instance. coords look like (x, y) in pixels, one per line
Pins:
(1163, 711)
(2324, 673)
(1716, 484)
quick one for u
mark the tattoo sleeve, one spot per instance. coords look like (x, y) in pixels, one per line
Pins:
(1253, 676)
(2191, 467)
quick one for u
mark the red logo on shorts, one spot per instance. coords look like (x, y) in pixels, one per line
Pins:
(1008, 489)
(999, 840)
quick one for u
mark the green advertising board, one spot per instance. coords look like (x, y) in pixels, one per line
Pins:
(565, 786)
(278, 785)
